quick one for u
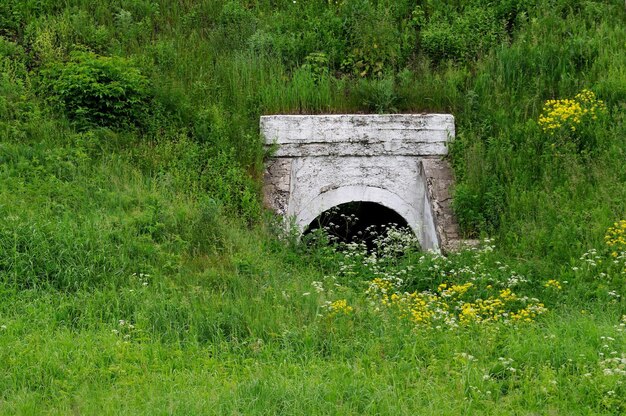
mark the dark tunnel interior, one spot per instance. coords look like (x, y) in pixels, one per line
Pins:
(356, 221)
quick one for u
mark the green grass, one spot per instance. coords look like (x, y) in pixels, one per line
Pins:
(157, 222)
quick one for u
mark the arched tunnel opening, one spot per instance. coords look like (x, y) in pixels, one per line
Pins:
(357, 221)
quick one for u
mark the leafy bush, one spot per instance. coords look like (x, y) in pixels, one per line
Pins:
(196, 166)
(9, 20)
(479, 210)
(319, 31)
(467, 206)
(98, 91)
(317, 64)
(359, 38)
(16, 106)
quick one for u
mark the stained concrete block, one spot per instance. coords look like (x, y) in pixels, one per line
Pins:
(358, 135)
(277, 184)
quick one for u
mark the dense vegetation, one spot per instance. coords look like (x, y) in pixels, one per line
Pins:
(140, 274)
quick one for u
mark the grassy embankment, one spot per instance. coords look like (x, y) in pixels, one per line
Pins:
(138, 273)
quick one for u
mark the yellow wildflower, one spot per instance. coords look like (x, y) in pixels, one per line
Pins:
(568, 113)
(554, 284)
(339, 307)
(615, 237)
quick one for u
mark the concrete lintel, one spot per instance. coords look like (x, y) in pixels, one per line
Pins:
(358, 135)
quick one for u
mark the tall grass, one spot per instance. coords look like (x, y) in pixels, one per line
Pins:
(140, 274)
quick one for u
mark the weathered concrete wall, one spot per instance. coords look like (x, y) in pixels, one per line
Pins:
(323, 161)
(392, 181)
(359, 135)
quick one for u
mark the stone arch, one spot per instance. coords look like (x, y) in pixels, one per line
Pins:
(358, 193)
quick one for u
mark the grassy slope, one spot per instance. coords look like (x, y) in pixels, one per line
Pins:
(220, 325)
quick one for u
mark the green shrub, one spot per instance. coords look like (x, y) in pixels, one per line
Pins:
(16, 106)
(319, 31)
(229, 183)
(317, 64)
(464, 38)
(54, 37)
(10, 20)
(236, 25)
(374, 41)
(98, 91)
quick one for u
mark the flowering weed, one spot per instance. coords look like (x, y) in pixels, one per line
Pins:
(565, 120)
(454, 304)
(615, 238)
(603, 270)
(568, 114)
(428, 289)
(338, 307)
(555, 284)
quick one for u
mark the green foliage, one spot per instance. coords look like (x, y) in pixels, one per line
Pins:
(16, 14)
(317, 64)
(98, 91)
(236, 24)
(464, 38)
(54, 38)
(136, 256)
(479, 209)
(202, 168)
(468, 207)
(373, 40)
(377, 95)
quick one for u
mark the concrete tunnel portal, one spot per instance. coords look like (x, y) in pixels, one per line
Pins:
(395, 162)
